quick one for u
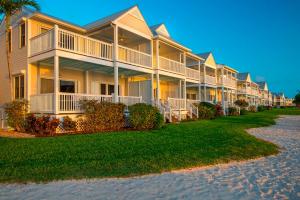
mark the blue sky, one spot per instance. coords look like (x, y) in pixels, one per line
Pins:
(259, 36)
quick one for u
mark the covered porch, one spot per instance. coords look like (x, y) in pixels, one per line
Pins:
(58, 85)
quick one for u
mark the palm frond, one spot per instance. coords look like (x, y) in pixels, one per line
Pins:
(19, 4)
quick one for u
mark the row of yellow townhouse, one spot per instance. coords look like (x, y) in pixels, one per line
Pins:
(118, 58)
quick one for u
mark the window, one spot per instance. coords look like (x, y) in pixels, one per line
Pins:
(19, 87)
(22, 35)
(47, 86)
(9, 41)
(67, 86)
(103, 89)
(111, 89)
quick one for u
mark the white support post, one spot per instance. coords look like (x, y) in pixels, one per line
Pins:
(55, 37)
(151, 89)
(116, 70)
(223, 95)
(38, 78)
(56, 85)
(157, 73)
(184, 92)
(199, 84)
(204, 77)
(180, 88)
(87, 82)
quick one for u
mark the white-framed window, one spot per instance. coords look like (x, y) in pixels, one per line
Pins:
(19, 86)
(66, 86)
(22, 34)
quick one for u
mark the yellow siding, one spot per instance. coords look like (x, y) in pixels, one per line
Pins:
(135, 23)
(18, 63)
(36, 27)
(210, 61)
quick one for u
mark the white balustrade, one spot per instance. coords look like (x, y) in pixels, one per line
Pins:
(70, 102)
(134, 57)
(130, 100)
(176, 103)
(192, 73)
(42, 103)
(84, 45)
(171, 65)
(42, 43)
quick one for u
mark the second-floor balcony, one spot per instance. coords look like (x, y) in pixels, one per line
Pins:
(75, 43)
(207, 79)
(171, 66)
(227, 82)
(192, 74)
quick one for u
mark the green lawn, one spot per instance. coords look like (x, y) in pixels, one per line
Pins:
(122, 154)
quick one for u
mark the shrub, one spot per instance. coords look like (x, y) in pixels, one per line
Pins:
(16, 112)
(208, 105)
(268, 107)
(219, 110)
(261, 108)
(233, 111)
(252, 108)
(143, 116)
(243, 112)
(101, 116)
(205, 112)
(43, 125)
(241, 103)
(69, 124)
(297, 99)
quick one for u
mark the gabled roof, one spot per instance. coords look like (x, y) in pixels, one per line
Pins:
(107, 19)
(262, 85)
(204, 55)
(243, 76)
(226, 67)
(160, 29)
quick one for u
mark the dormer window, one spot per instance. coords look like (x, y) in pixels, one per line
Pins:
(22, 35)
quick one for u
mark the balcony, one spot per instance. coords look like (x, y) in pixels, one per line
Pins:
(227, 82)
(247, 91)
(135, 57)
(171, 66)
(69, 102)
(87, 46)
(209, 80)
(192, 74)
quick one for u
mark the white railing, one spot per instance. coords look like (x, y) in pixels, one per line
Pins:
(3, 121)
(84, 45)
(176, 103)
(134, 57)
(193, 109)
(229, 82)
(70, 102)
(192, 73)
(42, 103)
(42, 43)
(130, 100)
(245, 91)
(171, 65)
(209, 80)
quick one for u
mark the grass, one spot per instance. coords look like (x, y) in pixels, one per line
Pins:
(123, 154)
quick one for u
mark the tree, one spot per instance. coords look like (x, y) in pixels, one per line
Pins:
(297, 99)
(8, 8)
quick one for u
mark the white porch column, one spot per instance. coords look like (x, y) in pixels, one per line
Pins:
(223, 95)
(157, 73)
(199, 84)
(204, 77)
(180, 89)
(56, 85)
(116, 70)
(184, 92)
(216, 95)
(151, 88)
(87, 82)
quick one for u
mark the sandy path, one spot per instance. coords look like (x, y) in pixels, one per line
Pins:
(274, 177)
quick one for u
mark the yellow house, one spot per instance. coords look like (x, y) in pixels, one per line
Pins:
(118, 58)
(265, 97)
(247, 89)
(227, 85)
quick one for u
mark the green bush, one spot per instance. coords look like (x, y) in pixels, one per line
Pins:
(16, 112)
(241, 103)
(205, 112)
(143, 116)
(68, 124)
(243, 112)
(209, 105)
(101, 116)
(261, 108)
(233, 111)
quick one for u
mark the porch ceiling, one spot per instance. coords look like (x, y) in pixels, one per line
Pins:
(86, 66)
